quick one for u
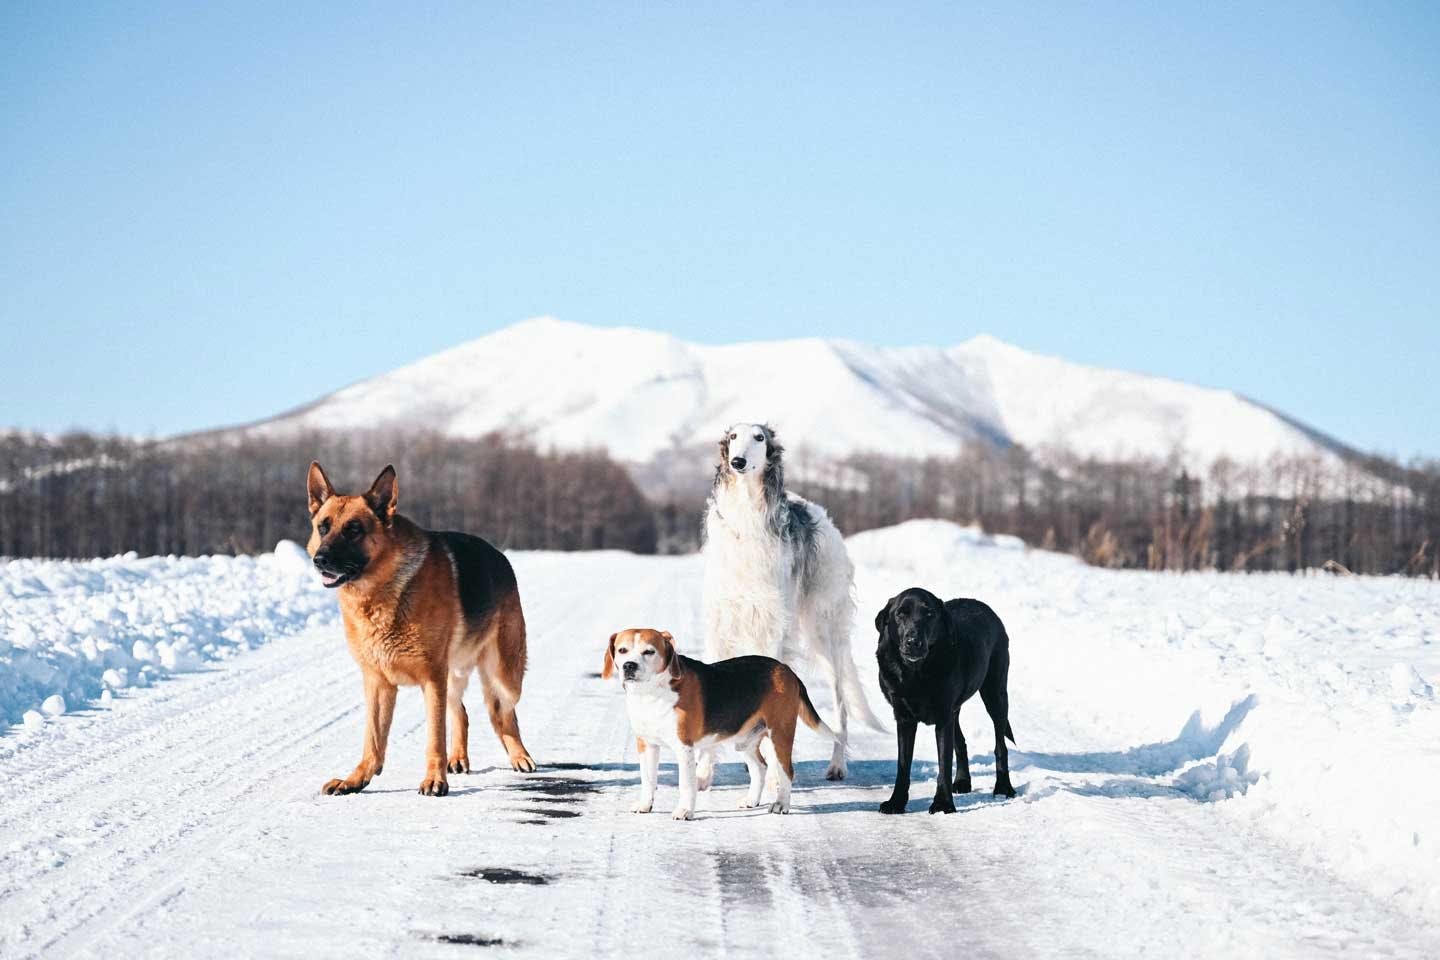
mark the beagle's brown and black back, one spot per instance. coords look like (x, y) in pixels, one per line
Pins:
(733, 690)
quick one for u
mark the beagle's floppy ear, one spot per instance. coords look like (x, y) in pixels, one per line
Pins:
(317, 485)
(672, 656)
(609, 669)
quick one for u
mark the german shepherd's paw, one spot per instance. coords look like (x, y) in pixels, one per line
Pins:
(339, 787)
(522, 762)
(434, 787)
(939, 805)
(460, 764)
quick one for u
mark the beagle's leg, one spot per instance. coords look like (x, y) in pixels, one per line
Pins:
(685, 809)
(704, 768)
(756, 766)
(649, 769)
(779, 761)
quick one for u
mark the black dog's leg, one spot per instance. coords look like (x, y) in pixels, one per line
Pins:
(997, 704)
(905, 741)
(944, 801)
(962, 760)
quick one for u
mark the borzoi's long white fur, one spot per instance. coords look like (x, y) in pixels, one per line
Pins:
(778, 581)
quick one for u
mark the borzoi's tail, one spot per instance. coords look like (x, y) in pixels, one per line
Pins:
(848, 690)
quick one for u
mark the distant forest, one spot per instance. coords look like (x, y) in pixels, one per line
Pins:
(83, 495)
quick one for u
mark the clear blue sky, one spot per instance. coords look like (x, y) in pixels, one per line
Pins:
(209, 214)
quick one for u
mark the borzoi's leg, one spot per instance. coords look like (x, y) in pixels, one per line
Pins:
(828, 634)
(838, 769)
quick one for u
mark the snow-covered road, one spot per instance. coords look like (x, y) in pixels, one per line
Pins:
(186, 817)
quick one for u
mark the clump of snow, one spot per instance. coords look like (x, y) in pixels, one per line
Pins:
(71, 632)
(1226, 776)
(1406, 683)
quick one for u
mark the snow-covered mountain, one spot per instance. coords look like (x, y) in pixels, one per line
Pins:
(645, 395)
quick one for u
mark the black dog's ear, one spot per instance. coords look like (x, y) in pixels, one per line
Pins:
(882, 616)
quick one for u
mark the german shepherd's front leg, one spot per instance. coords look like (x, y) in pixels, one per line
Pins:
(435, 784)
(379, 711)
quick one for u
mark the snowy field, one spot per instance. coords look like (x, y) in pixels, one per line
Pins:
(1208, 765)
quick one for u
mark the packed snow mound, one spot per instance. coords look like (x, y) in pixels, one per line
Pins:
(75, 633)
(925, 543)
(641, 394)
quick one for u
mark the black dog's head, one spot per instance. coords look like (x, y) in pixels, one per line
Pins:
(915, 622)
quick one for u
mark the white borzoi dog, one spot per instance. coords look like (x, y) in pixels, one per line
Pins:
(778, 581)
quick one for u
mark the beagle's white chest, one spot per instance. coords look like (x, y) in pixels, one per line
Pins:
(652, 712)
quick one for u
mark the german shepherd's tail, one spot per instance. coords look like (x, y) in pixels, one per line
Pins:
(809, 714)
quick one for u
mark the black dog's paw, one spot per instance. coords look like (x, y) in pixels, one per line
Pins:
(960, 786)
(894, 805)
(942, 805)
(1003, 789)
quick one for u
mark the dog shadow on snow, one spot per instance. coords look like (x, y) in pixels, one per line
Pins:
(1138, 772)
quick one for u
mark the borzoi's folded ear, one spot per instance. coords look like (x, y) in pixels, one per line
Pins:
(606, 673)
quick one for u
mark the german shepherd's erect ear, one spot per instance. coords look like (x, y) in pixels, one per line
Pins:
(609, 670)
(384, 495)
(318, 486)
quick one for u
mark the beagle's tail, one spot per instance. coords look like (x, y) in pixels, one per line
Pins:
(810, 715)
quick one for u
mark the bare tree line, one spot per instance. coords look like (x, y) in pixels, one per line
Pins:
(1290, 514)
(83, 495)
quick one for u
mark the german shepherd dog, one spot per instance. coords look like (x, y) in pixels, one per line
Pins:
(420, 608)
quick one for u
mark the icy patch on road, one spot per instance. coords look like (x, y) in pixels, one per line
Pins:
(74, 633)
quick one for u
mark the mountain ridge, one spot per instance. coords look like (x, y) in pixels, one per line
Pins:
(645, 394)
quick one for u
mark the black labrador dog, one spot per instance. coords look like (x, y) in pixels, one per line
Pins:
(933, 657)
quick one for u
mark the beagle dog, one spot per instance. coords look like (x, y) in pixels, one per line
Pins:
(693, 706)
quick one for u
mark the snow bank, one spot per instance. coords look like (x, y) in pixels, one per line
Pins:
(925, 544)
(73, 633)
